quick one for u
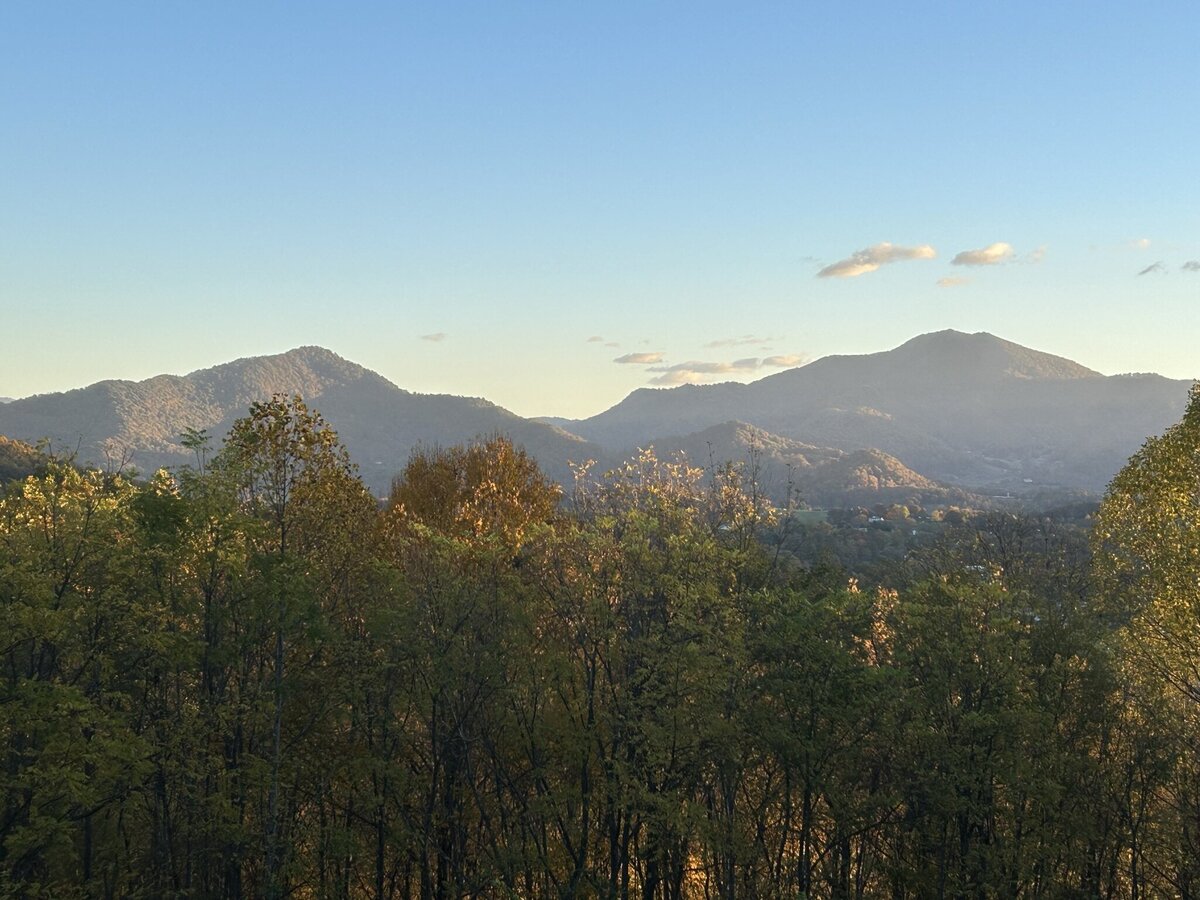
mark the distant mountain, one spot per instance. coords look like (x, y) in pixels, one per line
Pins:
(943, 411)
(819, 476)
(140, 422)
(966, 409)
(6, 399)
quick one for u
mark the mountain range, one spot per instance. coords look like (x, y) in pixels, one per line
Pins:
(139, 423)
(966, 409)
(943, 412)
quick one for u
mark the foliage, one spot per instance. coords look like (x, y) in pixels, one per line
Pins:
(247, 678)
(18, 460)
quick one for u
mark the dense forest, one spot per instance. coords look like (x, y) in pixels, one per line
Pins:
(249, 678)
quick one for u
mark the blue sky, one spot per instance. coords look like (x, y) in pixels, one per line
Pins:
(184, 184)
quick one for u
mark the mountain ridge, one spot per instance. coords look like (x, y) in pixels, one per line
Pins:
(963, 410)
(968, 409)
(141, 421)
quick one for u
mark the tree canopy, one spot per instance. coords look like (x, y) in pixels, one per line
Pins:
(247, 678)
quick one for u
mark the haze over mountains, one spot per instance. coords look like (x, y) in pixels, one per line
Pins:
(966, 410)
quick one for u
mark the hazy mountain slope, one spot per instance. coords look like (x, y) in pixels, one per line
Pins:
(379, 423)
(821, 476)
(967, 408)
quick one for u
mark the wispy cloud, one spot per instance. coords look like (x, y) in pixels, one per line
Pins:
(991, 255)
(785, 362)
(640, 359)
(1036, 256)
(952, 281)
(676, 377)
(437, 337)
(868, 260)
(695, 371)
(595, 339)
(1192, 265)
(710, 368)
(744, 340)
(611, 344)
(1154, 268)
(1140, 243)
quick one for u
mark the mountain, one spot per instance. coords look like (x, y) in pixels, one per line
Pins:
(140, 422)
(967, 409)
(944, 411)
(820, 476)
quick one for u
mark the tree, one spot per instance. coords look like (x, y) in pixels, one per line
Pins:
(1147, 561)
(487, 487)
(76, 641)
(309, 514)
(1147, 540)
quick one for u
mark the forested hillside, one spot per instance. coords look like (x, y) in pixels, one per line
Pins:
(120, 423)
(17, 459)
(250, 679)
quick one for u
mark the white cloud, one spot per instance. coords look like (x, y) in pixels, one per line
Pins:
(437, 337)
(694, 371)
(991, 255)
(1036, 256)
(870, 259)
(678, 376)
(595, 339)
(745, 339)
(711, 368)
(952, 281)
(640, 359)
(785, 362)
(1140, 243)
(1192, 265)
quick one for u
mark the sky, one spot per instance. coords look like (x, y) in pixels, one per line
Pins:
(552, 204)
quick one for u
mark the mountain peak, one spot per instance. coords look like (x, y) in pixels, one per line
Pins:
(312, 353)
(141, 421)
(957, 352)
(309, 356)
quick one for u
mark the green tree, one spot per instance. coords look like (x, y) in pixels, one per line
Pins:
(75, 641)
(1147, 541)
(308, 514)
(1147, 563)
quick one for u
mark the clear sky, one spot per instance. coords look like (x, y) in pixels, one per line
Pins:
(461, 195)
